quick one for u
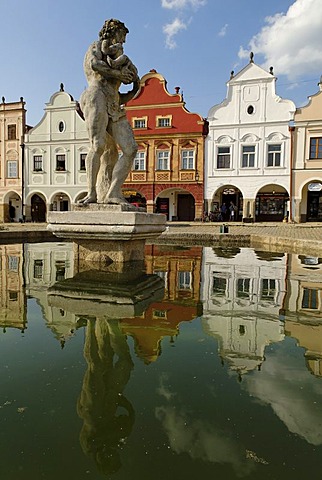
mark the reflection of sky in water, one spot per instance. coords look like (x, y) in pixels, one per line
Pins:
(294, 394)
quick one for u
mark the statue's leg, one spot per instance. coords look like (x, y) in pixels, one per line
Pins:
(123, 136)
(108, 161)
(96, 122)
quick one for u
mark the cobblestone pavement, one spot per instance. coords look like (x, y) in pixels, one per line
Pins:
(303, 231)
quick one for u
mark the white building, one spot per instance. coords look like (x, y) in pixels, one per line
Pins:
(247, 158)
(55, 153)
(243, 293)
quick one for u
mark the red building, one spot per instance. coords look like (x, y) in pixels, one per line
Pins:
(168, 171)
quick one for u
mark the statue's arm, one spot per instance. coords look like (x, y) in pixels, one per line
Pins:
(105, 70)
(126, 97)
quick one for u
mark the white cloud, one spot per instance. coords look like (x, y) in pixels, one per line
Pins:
(202, 441)
(181, 4)
(223, 31)
(294, 395)
(291, 41)
(171, 29)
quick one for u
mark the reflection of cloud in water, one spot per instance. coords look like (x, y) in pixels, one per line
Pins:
(163, 390)
(294, 395)
(198, 439)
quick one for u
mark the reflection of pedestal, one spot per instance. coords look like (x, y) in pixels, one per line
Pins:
(107, 233)
(108, 295)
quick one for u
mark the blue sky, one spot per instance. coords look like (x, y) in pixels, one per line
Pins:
(194, 44)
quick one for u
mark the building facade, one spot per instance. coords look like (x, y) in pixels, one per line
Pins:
(167, 174)
(55, 154)
(306, 181)
(12, 128)
(248, 148)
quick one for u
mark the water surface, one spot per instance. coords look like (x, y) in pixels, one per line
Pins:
(207, 364)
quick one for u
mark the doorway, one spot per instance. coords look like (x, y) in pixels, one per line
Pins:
(38, 209)
(186, 208)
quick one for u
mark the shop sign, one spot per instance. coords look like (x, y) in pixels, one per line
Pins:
(315, 187)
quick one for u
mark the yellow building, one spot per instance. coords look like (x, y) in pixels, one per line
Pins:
(12, 128)
(306, 173)
(12, 296)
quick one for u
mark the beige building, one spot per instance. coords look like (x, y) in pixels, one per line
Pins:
(12, 128)
(306, 173)
(12, 295)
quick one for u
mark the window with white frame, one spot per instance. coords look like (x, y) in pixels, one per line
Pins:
(12, 169)
(61, 162)
(248, 156)
(13, 262)
(184, 280)
(163, 122)
(187, 159)
(82, 162)
(37, 163)
(163, 160)
(139, 122)
(243, 287)
(223, 157)
(139, 161)
(268, 289)
(274, 155)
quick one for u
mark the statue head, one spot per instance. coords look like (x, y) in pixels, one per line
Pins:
(114, 31)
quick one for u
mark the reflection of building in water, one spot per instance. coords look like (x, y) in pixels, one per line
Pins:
(303, 307)
(12, 294)
(243, 292)
(45, 264)
(180, 271)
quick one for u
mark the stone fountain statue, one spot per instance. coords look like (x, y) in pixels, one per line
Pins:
(104, 226)
(106, 68)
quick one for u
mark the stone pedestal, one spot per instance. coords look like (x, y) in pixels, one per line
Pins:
(107, 233)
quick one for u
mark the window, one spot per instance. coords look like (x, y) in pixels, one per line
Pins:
(268, 289)
(184, 280)
(82, 162)
(243, 287)
(219, 285)
(139, 161)
(61, 126)
(187, 159)
(37, 163)
(12, 132)
(274, 155)
(159, 314)
(164, 122)
(38, 269)
(13, 263)
(60, 163)
(12, 169)
(163, 157)
(310, 298)
(316, 147)
(223, 157)
(60, 270)
(250, 110)
(248, 156)
(13, 296)
(139, 123)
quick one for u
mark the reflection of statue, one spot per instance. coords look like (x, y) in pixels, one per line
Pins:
(102, 298)
(108, 416)
(106, 67)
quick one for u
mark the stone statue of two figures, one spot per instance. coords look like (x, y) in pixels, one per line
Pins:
(106, 67)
